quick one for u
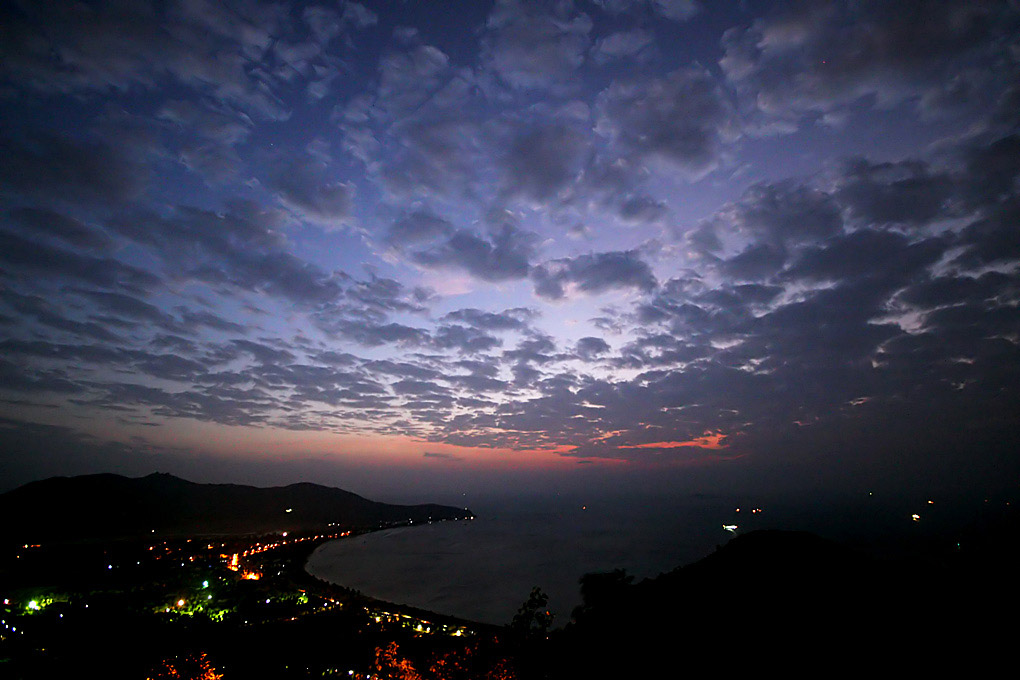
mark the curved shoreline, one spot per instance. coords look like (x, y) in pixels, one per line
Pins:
(380, 604)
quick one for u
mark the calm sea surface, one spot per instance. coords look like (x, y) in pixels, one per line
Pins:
(484, 569)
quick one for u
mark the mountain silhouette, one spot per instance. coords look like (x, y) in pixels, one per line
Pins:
(105, 506)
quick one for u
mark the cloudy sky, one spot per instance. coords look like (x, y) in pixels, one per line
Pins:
(489, 242)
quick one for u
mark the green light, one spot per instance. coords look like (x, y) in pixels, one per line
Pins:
(205, 584)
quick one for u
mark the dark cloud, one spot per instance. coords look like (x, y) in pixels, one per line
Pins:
(416, 227)
(515, 319)
(117, 46)
(542, 162)
(48, 223)
(777, 215)
(539, 349)
(535, 45)
(593, 274)
(905, 193)
(56, 168)
(441, 456)
(27, 380)
(621, 45)
(590, 348)
(193, 320)
(642, 210)
(378, 296)
(994, 239)
(374, 335)
(241, 247)
(408, 78)
(465, 339)
(59, 264)
(264, 353)
(809, 56)
(866, 253)
(681, 118)
(944, 291)
(326, 23)
(755, 263)
(992, 171)
(503, 256)
(677, 10)
(128, 306)
(303, 184)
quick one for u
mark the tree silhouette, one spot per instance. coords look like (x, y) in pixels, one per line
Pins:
(533, 619)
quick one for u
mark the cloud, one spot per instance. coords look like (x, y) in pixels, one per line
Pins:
(535, 45)
(59, 49)
(777, 215)
(240, 248)
(465, 339)
(593, 273)
(505, 257)
(642, 210)
(326, 23)
(677, 10)
(416, 227)
(866, 253)
(441, 456)
(622, 45)
(516, 319)
(681, 118)
(51, 167)
(905, 193)
(302, 183)
(544, 160)
(60, 264)
(992, 239)
(69, 231)
(816, 57)
(408, 78)
(376, 334)
(590, 348)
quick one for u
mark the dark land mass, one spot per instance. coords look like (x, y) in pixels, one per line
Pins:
(107, 506)
(779, 601)
(799, 604)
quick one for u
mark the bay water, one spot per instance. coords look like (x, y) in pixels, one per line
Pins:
(484, 569)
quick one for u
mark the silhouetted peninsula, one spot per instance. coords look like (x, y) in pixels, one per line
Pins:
(105, 506)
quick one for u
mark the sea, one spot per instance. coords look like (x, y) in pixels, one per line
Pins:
(484, 569)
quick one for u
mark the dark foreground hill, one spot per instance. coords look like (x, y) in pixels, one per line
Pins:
(108, 506)
(798, 604)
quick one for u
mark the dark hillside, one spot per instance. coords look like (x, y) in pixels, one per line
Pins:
(108, 506)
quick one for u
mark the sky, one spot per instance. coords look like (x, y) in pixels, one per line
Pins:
(414, 247)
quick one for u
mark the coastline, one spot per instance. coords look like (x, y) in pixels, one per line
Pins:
(486, 570)
(379, 606)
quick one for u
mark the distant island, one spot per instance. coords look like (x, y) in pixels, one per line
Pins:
(109, 506)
